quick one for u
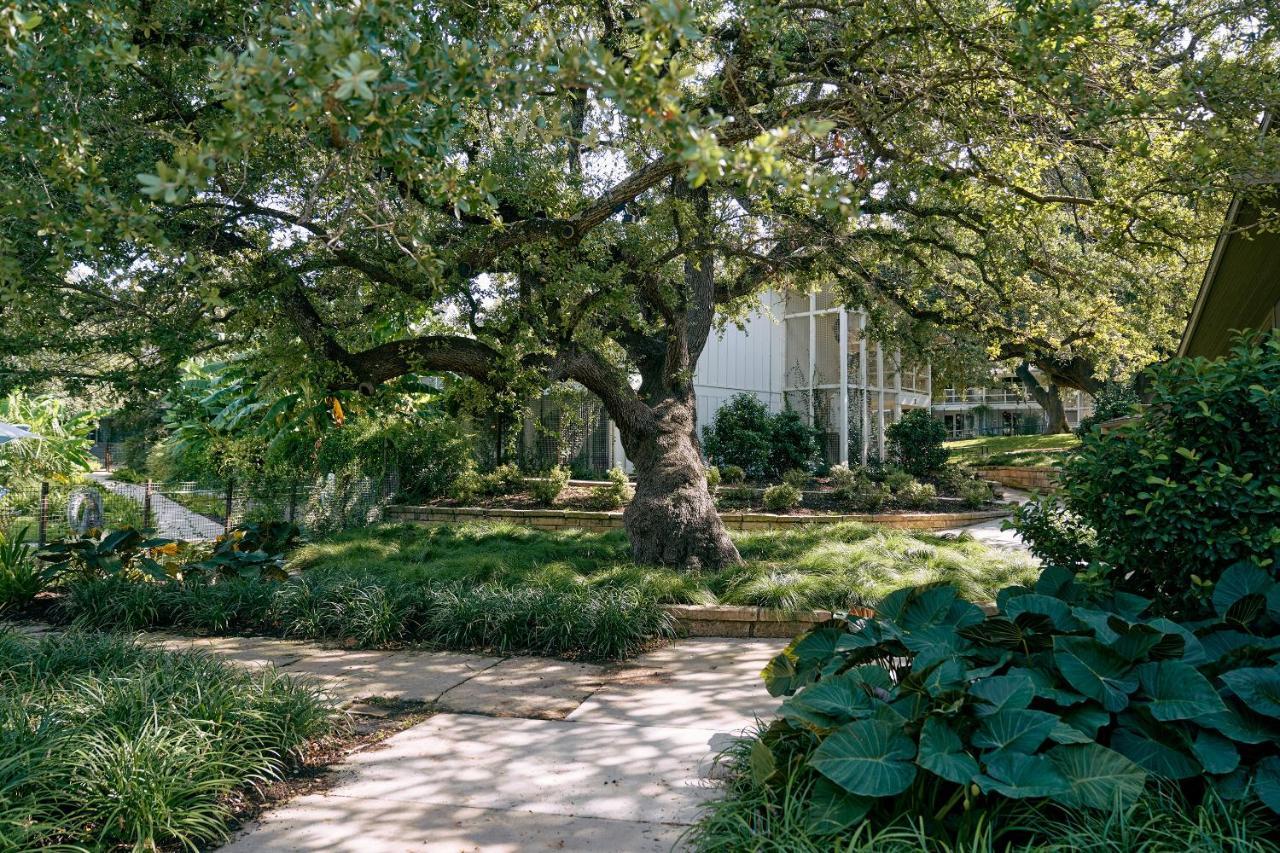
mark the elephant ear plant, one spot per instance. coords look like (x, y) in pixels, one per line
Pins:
(1066, 696)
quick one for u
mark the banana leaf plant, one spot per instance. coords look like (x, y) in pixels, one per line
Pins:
(1067, 695)
(110, 552)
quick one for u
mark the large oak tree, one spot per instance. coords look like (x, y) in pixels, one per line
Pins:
(366, 190)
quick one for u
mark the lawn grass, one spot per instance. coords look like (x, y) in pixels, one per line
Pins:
(1029, 450)
(833, 567)
(107, 744)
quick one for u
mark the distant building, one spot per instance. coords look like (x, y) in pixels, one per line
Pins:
(1002, 408)
(802, 351)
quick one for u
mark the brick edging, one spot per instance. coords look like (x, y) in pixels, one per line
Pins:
(733, 620)
(1022, 476)
(556, 519)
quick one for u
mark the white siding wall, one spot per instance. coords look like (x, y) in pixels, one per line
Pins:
(746, 359)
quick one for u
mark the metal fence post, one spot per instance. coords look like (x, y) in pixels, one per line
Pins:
(43, 525)
(146, 506)
(226, 525)
(293, 501)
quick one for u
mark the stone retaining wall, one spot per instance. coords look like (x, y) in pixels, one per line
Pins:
(1023, 477)
(731, 620)
(556, 519)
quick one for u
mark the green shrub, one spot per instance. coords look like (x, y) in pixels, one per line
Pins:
(973, 493)
(128, 475)
(1053, 533)
(782, 497)
(797, 477)
(915, 442)
(843, 477)
(1067, 697)
(897, 479)
(108, 744)
(735, 496)
(732, 474)
(1192, 487)
(713, 478)
(21, 579)
(1115, 400)
(741, 436)
(916, 495)
(546, 489)
(862, 496)
(794, 445)
(617, 493)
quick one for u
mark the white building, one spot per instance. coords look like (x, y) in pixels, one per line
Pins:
(800, 350)
(1003, 408)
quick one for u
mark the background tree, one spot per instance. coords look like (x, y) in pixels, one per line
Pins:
(368, 190)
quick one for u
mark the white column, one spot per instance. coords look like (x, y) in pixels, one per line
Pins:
(813, 356)
(862, 384)
(897, 386)
(880, 405)
(844, 387)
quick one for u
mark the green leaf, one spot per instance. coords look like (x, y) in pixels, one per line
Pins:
(1057, 611)
(1159, 758)
(762, 763)
(1178, 691)
(869, 757)
(829, 703)
(1241, 583)
(1266, 781)
(1243, 726)
(1064, 733)
(1257, 687)
(830, 810)
(1095, 670)
(1097, 777)
(1014, 730)
(1011, 691)
(942, 753)
(1018, 776)
(1216, 753)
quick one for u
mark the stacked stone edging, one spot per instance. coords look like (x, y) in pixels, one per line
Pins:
(732, 620)
(557, 519)
(1029, 478)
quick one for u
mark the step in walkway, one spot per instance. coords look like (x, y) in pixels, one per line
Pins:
(526, 753)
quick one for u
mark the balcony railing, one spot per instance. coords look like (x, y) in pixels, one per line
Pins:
(983, 395)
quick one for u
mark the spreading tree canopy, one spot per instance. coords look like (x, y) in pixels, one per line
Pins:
(574, 191)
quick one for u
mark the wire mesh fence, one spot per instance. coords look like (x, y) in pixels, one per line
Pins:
(47, 511)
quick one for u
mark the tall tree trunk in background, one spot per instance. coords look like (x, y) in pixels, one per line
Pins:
(1048, 398)
(672, 519)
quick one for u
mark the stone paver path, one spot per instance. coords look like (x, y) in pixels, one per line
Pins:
(520, 761)
(171, 519)
(526, 753)
(989, 532)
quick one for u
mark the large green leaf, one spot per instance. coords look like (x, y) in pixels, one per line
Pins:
(1159, 758)
(870, 758)
(1240, 593)
(829, 809)
(1190, 650)
(1095, 670)
(762, 763)
(942, 753)
(1097, 777)
(1244, 726)
(799, 663)
(1015, 690)
(1257, 687)
(1215, 753)
(831, 702)
(1178, 691)
(1014, 730)
(1057, 611)
(1018, 776)
(1266, 781)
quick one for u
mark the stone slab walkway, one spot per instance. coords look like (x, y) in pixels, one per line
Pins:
(989, 533)
(525, 754)
(624, 770)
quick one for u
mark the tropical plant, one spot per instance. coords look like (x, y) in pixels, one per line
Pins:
(61, 450)
(250, 551)
(1066, 695)
(110, 552)
(1190, 487)
(915, 442)
(21, 578)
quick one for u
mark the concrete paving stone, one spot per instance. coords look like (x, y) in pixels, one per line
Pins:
(406, 675)
(598, 770)
(526, 687)
(700, 683)
(348, 825)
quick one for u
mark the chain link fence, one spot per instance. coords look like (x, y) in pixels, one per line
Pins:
(47, 511)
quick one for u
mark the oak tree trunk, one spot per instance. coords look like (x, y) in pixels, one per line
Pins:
(1048, 398)
(672, 519)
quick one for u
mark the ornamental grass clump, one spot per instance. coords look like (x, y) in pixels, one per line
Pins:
(106, 743)
(1069, 698)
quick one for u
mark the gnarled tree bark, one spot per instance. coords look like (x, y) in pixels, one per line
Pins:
(1049, 399)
